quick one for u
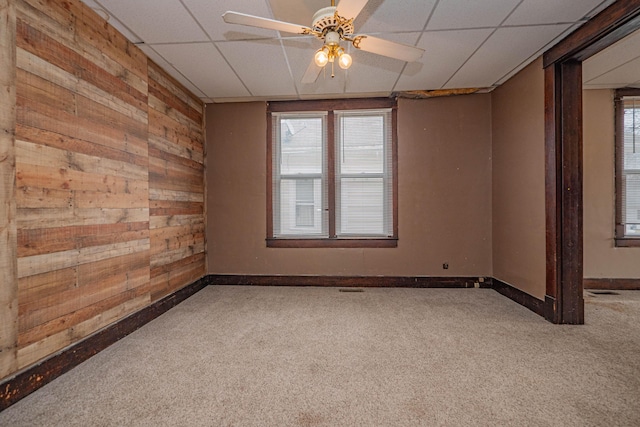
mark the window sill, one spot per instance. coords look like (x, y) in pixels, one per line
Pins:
(627, 242)
(333, 243)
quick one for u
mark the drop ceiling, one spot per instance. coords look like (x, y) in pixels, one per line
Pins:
(616, 66)
(467, 43)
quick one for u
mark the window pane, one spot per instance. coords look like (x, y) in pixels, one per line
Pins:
(362, 207)
(300, 210)
(301, 145)
(632, 204)
(304, 203)
(631, 168)
(361, 143)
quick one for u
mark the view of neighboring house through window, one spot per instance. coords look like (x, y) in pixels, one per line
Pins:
(331, 172)
(628, 167)
(300, 169)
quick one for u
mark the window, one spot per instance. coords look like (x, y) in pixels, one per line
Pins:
(331, 173)
(628, 167)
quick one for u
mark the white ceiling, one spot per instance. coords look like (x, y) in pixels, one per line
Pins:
(468, 43)
(615, 67)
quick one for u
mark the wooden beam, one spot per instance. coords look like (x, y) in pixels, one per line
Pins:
(564, 302)
(604, 29)
(552, 212)
(8, 234)
(563, 110)
(570, 198)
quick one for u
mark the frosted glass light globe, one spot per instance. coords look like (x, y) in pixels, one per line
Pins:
(345, 61)
(321, 58)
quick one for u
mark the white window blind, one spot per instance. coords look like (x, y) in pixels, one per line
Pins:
(364, 192)
(630, 158)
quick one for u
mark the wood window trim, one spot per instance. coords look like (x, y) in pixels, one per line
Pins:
(330, 106)
(621, 241)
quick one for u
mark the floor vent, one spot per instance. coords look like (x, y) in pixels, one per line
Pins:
(603, 293)
(351, 290)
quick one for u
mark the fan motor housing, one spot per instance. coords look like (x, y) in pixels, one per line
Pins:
(326, 19)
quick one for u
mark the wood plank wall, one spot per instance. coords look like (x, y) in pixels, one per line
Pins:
(176, 185)
(8, 265)
(109, 178)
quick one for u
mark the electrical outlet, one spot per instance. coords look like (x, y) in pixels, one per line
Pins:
(445, 266)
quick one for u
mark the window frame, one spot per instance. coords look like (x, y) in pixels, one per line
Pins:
(329, 106)
(621, 240)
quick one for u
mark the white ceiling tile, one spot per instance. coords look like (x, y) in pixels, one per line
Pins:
(297, 11)
(505, 50)
(157, 21)
(261, 65)
(375, 73)
(200, 62)
(371, 73)
(533, 12)
(209, 14)
(390, 16)
(612, 57)
(599, 8)
(621, 76)
(445, 52)
(155, 57)
(454, 14)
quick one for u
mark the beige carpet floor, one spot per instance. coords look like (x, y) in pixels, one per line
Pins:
(252, 356)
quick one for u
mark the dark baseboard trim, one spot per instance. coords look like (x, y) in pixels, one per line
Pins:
(532, 303)
(522, 298)
(31, 379)
(612, 284)
(551, 309)
(350, 281)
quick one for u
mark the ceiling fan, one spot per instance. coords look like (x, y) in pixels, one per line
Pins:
(332, 25)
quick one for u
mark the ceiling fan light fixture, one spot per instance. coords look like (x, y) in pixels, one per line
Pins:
(322, 56)
(332, 25)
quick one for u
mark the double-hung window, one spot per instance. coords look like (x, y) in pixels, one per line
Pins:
(628, 167)
(332, 175)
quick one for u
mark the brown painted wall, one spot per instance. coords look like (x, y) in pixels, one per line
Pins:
(518, 181)
(601, 258)
(108, 181)
(444, 189)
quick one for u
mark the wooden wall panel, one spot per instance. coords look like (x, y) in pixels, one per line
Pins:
(108, 185)
(8, 265)
(176, 185)
(81, 176)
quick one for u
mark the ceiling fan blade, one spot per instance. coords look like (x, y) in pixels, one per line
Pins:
(312, 73)
(260, 22)
(350, 8)
(388, 48)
